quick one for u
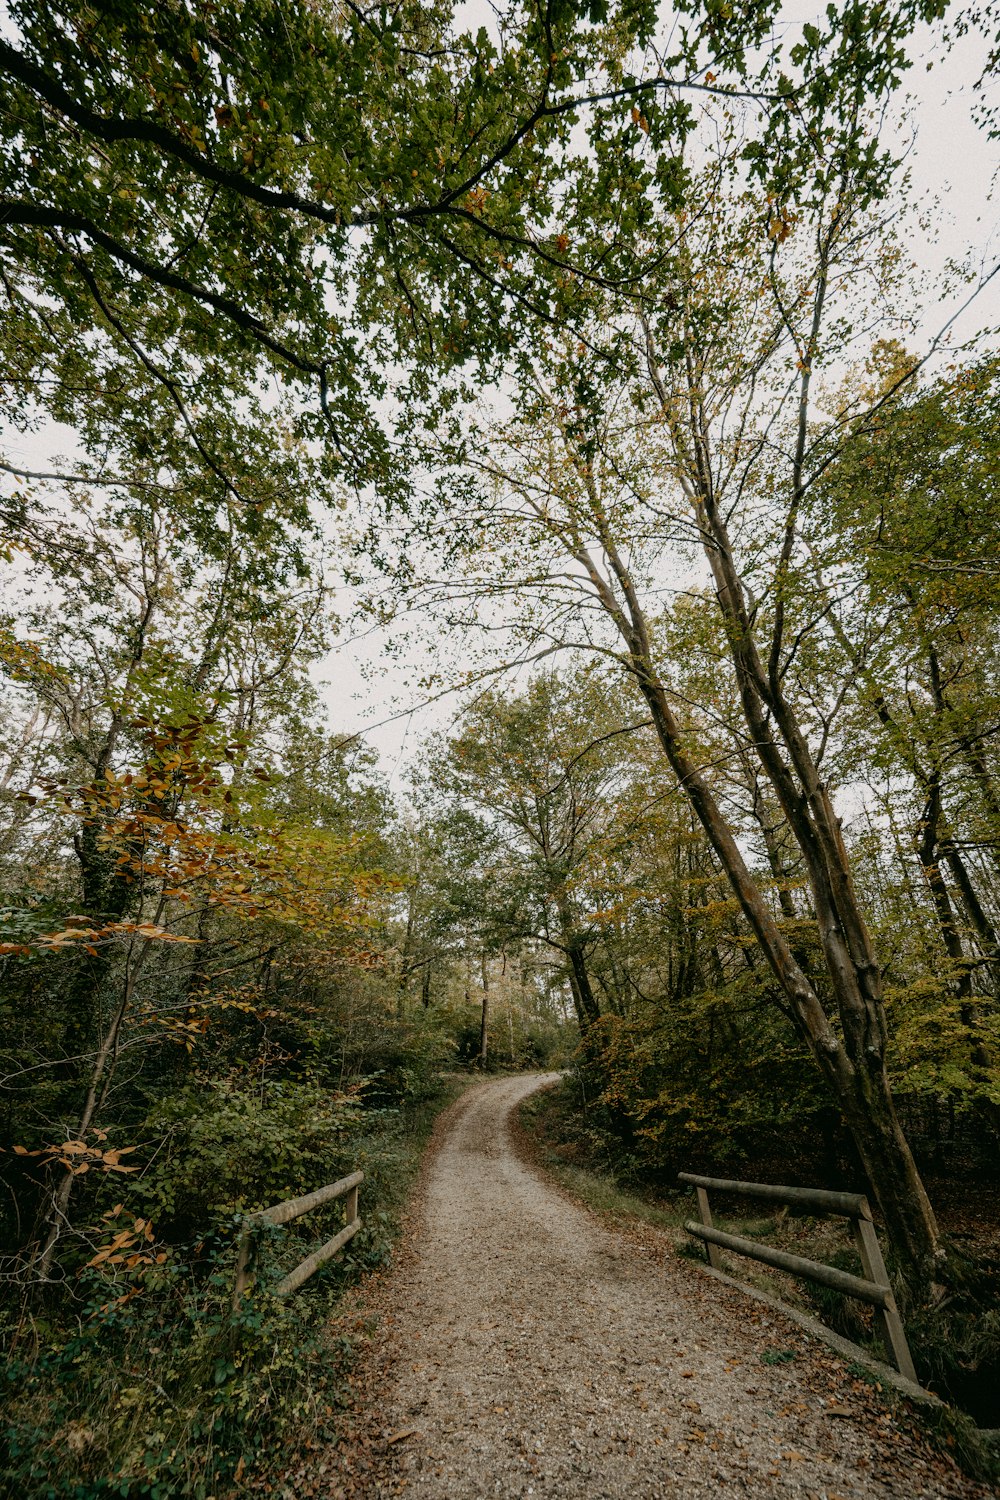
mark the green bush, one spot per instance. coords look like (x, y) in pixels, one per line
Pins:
(137, 1379)
(162, 1390)
(227, 1149)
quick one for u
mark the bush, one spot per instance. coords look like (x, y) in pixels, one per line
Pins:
(162, 1390)
(137, 1379)
(237, 1150)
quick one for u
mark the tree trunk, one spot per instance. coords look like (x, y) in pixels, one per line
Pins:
(484, 1024)
(104, 896)
(584, 999)
(583, 993)
(929, 843)
(927, 850)
(403, 983)
(984, 929)
(976, 762)
(56, 1219)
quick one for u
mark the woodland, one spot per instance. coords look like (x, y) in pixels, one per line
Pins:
(581, 343)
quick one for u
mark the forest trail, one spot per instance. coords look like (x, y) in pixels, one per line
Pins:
(541, 1354)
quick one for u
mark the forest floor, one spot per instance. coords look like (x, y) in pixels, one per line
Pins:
(520, 1347)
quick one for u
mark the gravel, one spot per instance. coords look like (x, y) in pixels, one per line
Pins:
(538, 1353)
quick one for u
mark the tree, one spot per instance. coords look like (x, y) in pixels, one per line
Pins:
(902, 522)
(214, 196)
(154, 661)
(569, 829)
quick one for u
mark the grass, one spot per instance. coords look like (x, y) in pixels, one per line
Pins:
(549, 1135)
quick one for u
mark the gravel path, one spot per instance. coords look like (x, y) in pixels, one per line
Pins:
(544, 1355)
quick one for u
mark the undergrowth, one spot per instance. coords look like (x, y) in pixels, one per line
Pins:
(137, 1379)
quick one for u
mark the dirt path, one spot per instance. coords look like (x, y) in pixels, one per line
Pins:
(543, 1355)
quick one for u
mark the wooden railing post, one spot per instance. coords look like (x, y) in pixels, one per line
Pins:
(712, 1251)
(887, 1316)
(873, 1287)
(284, 1213)
(242, 1266)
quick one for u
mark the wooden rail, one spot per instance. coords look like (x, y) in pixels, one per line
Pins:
(284, 1213)
(873, 1287)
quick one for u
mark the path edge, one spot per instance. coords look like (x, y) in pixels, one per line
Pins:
(853, 1352)
(527, 1149)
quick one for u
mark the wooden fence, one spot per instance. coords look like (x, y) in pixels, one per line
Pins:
(284, 1213)
(874, 1288)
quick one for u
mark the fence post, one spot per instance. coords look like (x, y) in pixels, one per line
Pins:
(887, 1317)
(713, 1252)
(284, 1213)
(242, 1266)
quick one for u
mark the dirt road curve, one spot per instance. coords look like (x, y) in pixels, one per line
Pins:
(544, 1355)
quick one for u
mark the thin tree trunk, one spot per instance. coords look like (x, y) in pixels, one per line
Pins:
(587, 1008)
(403, 982)
(976, 762)
(484, 1024)
(57, 1217)
(580, 980)
(927, 850)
